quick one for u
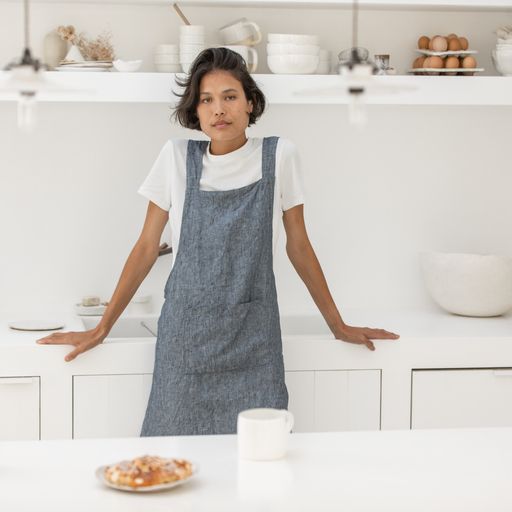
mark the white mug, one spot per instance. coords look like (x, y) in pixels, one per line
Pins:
(262, 434)
(249, 54)
(241, 31)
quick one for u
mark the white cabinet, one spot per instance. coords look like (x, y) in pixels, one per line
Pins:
(109, 405)
(469, 398)
(324, 401)
(19, 408)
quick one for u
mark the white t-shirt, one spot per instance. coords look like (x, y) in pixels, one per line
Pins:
(166, 182)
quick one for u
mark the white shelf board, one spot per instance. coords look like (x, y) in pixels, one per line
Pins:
(280, 89)
(371, 4)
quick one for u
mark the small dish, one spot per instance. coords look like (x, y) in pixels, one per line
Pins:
(127, 66)
(100, 474)
(35, 325)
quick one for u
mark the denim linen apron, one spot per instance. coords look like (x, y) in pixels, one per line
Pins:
(219, 349)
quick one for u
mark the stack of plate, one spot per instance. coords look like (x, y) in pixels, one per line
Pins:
(293, 53)
(167, 58)
(84, 65)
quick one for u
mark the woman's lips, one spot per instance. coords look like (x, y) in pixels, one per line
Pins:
(222, 125)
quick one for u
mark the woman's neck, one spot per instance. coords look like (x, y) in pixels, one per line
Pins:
(222, 147)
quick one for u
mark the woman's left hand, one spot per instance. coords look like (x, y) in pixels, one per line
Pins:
(363, 335)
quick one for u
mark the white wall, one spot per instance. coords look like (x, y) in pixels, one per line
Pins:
(418, 178)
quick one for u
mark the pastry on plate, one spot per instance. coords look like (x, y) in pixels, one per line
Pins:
(147, 471)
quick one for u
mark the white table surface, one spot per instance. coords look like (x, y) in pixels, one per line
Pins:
(420, 470)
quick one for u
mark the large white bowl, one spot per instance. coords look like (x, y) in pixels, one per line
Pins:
(469, 284)
(290, 48)
(293, 38)
(292, 64)
(127, 66)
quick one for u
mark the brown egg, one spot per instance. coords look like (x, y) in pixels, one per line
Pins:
(436, 62)
(451, 63)
(423, 42)
(454, 45)
(464, 43)
(469, 62)
(439, 44)
(449, 36)
(426, 62)
(418, 62)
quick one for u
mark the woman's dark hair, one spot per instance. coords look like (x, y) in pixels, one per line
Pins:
(213, 59)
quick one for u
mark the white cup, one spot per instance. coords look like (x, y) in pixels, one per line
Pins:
(262, 434)
(249, 54)
(241, 31)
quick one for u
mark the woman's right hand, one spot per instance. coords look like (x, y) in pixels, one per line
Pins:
(82, 341)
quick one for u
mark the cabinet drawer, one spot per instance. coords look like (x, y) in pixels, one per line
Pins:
(338, 400)
(19, 408)
(109, 405)
(470, 398)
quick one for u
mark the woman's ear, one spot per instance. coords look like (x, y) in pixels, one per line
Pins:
(250, 106)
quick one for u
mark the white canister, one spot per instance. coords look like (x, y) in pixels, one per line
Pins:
(262, 434)
(54, 49)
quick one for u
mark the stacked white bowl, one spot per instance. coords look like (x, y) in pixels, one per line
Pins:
(502, 56)
(293, 53)
(167, 58)
(324, 64)
(192, 42)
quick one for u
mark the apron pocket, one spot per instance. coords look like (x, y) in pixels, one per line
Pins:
(222, 337)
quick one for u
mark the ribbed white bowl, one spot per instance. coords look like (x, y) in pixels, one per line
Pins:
(469, 284)
(290, 48)
(293, 38)
(292, 64)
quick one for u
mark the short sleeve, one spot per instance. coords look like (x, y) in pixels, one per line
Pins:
(157, 185)
(291, 177)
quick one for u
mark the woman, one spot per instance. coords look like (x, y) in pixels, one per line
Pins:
(218, 349)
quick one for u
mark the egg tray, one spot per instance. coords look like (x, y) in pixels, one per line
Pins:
(444, 71)
(448, 53)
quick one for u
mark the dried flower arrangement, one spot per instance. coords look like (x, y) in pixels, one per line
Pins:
(92, 49)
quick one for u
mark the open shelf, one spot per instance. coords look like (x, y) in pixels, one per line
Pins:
(378, 4)
(280, 89)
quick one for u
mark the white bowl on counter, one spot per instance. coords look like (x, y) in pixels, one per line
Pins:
(469, 284)
(293, 38)
(292, 64)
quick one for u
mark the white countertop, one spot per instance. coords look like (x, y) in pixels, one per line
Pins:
(414, 471)
(409, 325)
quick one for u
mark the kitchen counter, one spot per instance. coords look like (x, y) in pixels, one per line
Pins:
(428, 340)
(421, 470)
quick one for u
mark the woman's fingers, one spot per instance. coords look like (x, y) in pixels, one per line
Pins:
(380, 334)
(57, 338)
(369, 343)
(74, 353)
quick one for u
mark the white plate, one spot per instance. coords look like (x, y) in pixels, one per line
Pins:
(36, 325)
(100, 473)
(445, 70)
(448, 53)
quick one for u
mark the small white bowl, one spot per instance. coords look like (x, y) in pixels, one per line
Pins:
(469, 284)
(127, 66)
(290, 48)
(502, 62)
(293, 64)
(293, 38)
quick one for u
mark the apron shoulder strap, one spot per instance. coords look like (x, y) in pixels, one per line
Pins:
(269, 157)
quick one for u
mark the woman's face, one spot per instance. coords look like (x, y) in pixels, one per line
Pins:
(222, 99)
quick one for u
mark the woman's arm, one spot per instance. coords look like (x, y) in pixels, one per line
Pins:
(138, 264)
(305, 262)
